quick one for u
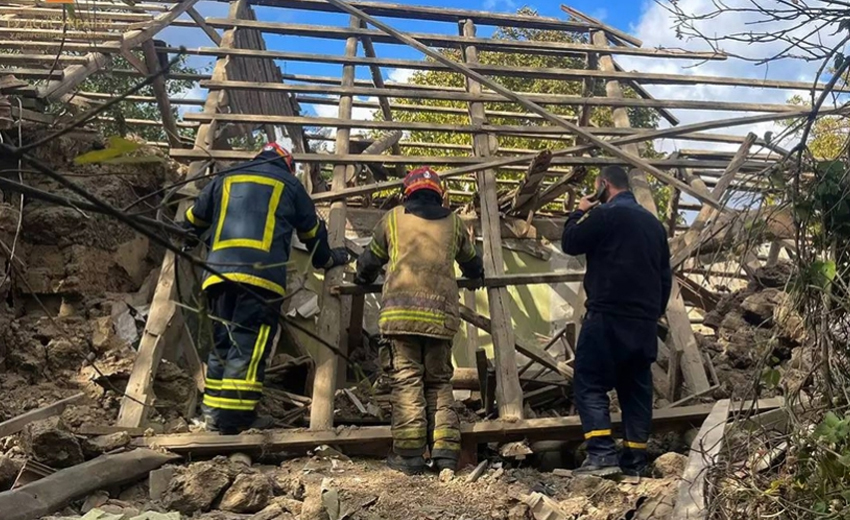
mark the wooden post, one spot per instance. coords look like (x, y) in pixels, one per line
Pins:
(169, 123)
(677, 315)
(331, 326)
(508, 390)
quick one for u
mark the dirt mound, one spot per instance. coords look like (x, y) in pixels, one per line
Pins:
(757, 332)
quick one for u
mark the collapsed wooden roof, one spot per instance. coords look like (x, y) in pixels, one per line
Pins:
(248, 92)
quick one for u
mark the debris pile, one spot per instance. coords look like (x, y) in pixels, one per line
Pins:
(758, 343)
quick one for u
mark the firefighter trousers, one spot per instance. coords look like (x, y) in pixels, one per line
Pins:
(615, 352)
(243, 330)
(421, 370)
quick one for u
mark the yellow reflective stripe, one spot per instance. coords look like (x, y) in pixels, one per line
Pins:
(259, 348)
(422, 316)
(455, 238)
(245, 278)
(635, 445)
(190, 216)
(409, 444)
(224, 403)
(307, 235)
(410, 433)
(597, 433)
(447, 434)
(447, 445)
(378, 250)
(234, 384)
(268, 230)
(393, 224)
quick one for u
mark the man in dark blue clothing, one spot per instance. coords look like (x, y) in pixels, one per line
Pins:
(628, 283)
(247, 216)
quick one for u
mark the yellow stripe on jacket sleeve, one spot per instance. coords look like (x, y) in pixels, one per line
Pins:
(307, 235)
(190, 216)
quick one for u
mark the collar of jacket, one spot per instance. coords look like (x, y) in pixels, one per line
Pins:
(426, 206)
(622, 198)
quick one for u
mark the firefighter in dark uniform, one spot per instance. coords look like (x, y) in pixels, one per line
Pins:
(420, 241)
(250, 213)
(628, 283)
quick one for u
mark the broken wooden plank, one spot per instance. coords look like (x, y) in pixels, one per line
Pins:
(16, 424)
(561, 428)
(690, 504)
(532, 351)
(51, 493)
(502, 280)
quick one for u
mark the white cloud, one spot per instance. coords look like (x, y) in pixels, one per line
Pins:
(400, 75)
(505, 5)
(656, 28)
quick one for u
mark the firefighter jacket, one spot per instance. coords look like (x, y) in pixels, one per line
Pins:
(249, 213)
(420, 295)
(628, 259)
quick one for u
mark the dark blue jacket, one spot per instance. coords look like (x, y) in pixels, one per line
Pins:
(628, 259)
(250, 213)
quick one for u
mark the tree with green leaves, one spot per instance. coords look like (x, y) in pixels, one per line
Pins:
(601, 116)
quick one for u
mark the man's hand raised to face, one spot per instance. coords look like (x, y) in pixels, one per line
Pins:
(587, 203)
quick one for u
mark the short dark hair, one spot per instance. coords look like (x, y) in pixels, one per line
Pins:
(616, 176)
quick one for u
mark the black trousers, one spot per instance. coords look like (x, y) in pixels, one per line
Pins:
(614, 352)
(243, 330)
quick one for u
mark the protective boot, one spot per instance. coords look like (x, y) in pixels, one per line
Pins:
(262, 422)
(406, 465)
(594, 469)
(441, 463)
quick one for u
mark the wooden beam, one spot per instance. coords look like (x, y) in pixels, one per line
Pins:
(530, 350)
(16, 424)
(440, 40)
(76, 74)
(685, 245)
(169, 123)
(677, 316)
(437, 14)
(199, 19)
(504, 280)
(642, 136)
(138, 397)
(508, 390)
(331, 320)
(615, 35)
(691, 503)
(633, 160)
(49, 494)
(383, 101)
(561, 428)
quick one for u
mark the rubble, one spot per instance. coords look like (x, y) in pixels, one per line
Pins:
(51, 443)
(196, 487)
(249, 493)
(669, 465)
(9, 469)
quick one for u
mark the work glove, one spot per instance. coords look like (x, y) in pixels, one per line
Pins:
(339, 256)
(478, 281)
(360, 280)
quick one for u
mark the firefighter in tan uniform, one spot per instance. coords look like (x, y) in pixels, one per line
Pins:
(419, 242)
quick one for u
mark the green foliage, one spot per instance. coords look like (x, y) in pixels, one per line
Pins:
(117, 84)
(601, 116)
